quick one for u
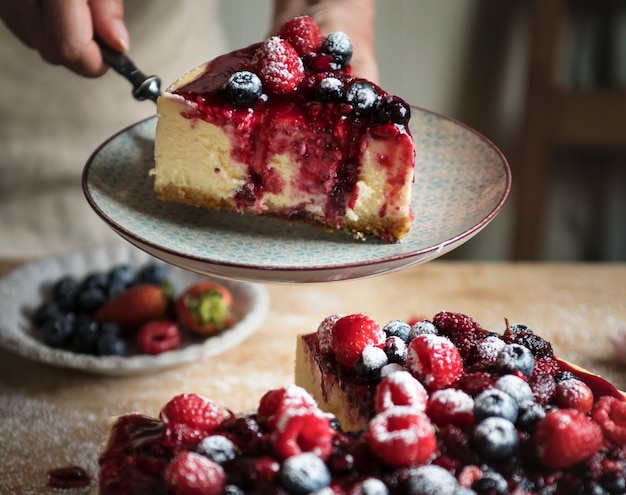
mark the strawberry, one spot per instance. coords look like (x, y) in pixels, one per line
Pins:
(400, 389)
(193, 474)
(402, 436)
(136, 306)
(573, 394)
(434, 360)
(206, 308)
(188, 418)
(303, 430)
(158, 336)
(277, 402)
(303, 34)
(352, 334)
(565, 437)
(610, 413)
(278, 66)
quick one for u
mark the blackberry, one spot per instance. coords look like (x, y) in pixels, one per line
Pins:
(362, 96)
(304, 473)
(339, 45)
(495, 438)
(450, 323)
(243, 88)
(329, 89)
(396, 350)
(494, 402)
(515, 357)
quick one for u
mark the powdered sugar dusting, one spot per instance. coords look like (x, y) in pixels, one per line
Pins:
(456, 401)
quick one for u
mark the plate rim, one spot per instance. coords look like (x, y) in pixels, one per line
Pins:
(450, 243)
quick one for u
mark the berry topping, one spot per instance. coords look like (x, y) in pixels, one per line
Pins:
(610, 413)
(158, 336)
(303, 34)
(371, 362)
(325, 333)
(243, 88)
(303, 430)
(495, 438)
(400, 389)
(515, 387)
(401, 436)
(573, 394)
(304, 473)
(329, 89)
(565, 437)
(392, 109)
(515, 357)
(451, 406)
(362, 96)
(450, 323)
(352, 334)
(396, 349)
(339, 45)
(278, 66)
(188, 418)
(218, 448)
(494, 402)
(431, 480)
(434, 360)
(277, 402)
(193, 474)
(397, 328)
(422, 327)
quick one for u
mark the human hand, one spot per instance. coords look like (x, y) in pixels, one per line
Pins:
(353, 17)
(62, 31)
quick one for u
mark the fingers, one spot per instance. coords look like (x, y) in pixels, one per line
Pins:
(63, 30)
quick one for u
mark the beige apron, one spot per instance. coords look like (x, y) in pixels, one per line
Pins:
(51, 120)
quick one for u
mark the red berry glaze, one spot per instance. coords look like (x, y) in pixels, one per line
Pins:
(188, 418)
(352, 334)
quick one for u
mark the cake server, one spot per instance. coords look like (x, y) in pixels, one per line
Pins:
(144, 87)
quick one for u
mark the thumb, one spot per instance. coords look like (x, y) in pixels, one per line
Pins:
(108, 23)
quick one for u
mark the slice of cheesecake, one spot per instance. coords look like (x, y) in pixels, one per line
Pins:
(269, 130)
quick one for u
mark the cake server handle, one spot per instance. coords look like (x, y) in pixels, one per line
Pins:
(144, 87)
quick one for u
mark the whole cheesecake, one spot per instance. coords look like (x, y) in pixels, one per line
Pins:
(282, 128)
(459, 410)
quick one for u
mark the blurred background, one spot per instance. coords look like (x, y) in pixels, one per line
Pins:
(501, 67)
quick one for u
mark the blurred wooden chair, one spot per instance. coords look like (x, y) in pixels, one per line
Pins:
(556, 117)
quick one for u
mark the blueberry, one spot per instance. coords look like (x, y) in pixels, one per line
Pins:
(232, 490)
(396, 350)
(339, 45)
(515, 387)
(431, 480)
(91, 299)
(64, 292)
(530, 412)
(397, 328)
(110, 327)
(152, 273)
(304, 473)
(44, 311)
(58, 330)
(362, 96)
(515, 357)
(243, 88)
(494, 402)
(392, 109)
(422, 327)
(372, 486)
(495, 438)
(110, 345)
(123, 273)
(491, 483)
(86, 333)
(218, 448)
(95, 280)
(329, 89)
(370, 363)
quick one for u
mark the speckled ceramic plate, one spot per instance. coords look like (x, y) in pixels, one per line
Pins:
(21, 291)
(462, 182)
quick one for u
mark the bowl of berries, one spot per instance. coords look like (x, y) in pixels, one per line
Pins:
(115, 310)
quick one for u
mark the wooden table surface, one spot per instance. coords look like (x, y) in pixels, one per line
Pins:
(51, 417)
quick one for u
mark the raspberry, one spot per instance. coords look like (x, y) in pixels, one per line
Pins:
(352, 334)
(193, 474)
(573, 394)
(303, 34)
(278, 65)
(543, 388)
(303, 430)
(610, 413)
(402, 436)
(325, 333)
(451, 406)
(400, 389)
(280, 401)
(188, 418)
(158, 336)
(565, 437)
(434, 360)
